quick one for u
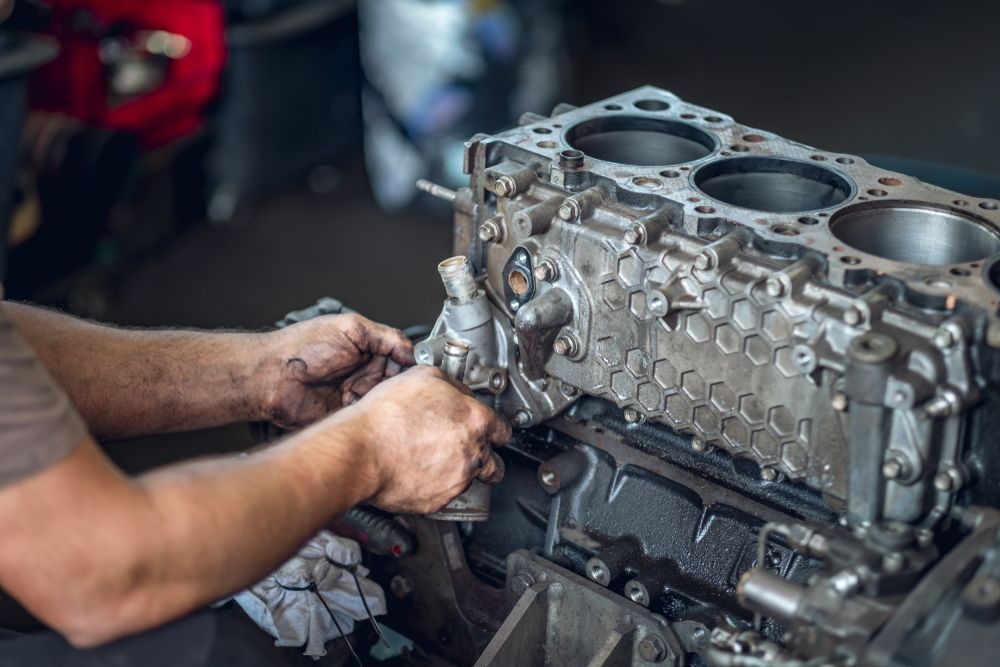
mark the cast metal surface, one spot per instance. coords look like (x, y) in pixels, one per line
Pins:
(756, 388)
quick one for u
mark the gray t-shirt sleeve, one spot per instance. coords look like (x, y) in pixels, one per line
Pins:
(38, 424)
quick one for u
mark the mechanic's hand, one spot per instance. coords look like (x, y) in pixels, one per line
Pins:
(315, 367)
(429, 439)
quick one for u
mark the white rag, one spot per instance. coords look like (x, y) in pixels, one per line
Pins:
(297, 617)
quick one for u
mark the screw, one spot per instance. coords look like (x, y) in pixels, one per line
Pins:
(704, 262)
(521, 582)
(504, 186)
(498, 381)
(521, 418)
(568, 390)
(839, 402)
(490, 231)
(775, 287)
(632, 416)
(768, 474)
(652, 649)
(698, 445)
(546, 271)
(635, 235)
(565, 345)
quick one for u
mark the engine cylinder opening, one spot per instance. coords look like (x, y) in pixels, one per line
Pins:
(640, 141)
(774, 185)
(915, 234)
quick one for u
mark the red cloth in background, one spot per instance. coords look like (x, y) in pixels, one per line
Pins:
(75, 82)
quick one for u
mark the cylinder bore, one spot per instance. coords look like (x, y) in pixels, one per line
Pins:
(640, 141)
(774, 185)
(915, 234)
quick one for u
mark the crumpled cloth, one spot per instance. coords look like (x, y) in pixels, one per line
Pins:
(284, 606)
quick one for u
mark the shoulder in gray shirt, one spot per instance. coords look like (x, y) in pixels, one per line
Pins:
(38, 425)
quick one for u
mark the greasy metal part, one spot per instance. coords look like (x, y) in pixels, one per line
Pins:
(559, 618)
(757, 387)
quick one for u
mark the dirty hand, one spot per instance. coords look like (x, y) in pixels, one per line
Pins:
(428, 439)
(315, 367)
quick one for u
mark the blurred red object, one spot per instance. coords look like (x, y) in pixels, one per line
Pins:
(148, 67)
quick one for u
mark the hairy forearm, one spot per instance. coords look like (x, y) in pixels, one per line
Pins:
(127, 383)
(173, 540)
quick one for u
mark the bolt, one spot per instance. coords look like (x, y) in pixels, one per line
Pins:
(704, 262)
(401, 587)
(853, 316)
(498, 381)
(565, 345)
(635, 235)
(569, 210)
(652, 649)
(504, 186)
(490, 231)
(839, 402)
(637, 593)
(950, 479)
(521, 418)
(568, 390)
(775, 287)
(945, 404)
(924, 537)
(632, 416)
(893, 562)
(944, 339)
(521, 582)
(657, 303)
(893, 469)
(548, 477)
(546, 271)
(698, 445)
(768, 474)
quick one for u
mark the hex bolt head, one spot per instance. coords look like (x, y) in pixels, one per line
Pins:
(546, 271)
(698, 445)
(565, 345)
(521, 418)
(892, 469)
(632, 416)
(893, 562)
(490, 231)
(635, 235)
(949, 480)
(853, 316)
(652, 649)
(839, 402)
(568, 211)
(775, 287)
(504, 186)
(768, 474)
(704, 262)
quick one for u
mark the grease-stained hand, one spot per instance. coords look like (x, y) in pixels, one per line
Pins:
(314, 367)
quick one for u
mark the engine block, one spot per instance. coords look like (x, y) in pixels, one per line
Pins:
(750, 376)
(802, 308)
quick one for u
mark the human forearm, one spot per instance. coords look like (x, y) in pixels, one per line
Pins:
(126, 383)
(170, 541)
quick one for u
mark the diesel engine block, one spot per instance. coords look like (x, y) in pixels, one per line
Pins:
(795, 315)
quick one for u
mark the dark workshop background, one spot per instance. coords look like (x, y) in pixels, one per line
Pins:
(267, 204)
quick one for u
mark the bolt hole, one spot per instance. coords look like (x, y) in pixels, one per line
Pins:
(890, 181)
(988, 205)
(739, 148)
(876, 192)
(785, 230)
(961, 273)
(688, 116)
(546, 144)
(613, 107)
(670, 174)
(518, 282)
(754, 138)
(960, 202)
(652, 105)
(808, 220)
(542, 130)
(646, 182)
(818, 158)
(704, 209)
(845, 160)
(712, 119)
(849, 259)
